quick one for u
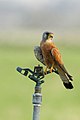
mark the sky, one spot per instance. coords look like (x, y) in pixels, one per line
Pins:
(36, 4)
(32, 13)
(56, 15)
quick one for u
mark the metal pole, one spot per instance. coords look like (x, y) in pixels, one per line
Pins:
(37, 75)
(37, 99)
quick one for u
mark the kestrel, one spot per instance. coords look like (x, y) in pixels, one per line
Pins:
(48, 54)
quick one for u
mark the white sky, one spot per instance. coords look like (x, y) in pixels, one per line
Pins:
(38, 3)
(33, 3)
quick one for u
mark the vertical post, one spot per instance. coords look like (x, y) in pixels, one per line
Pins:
(37, 99)
(37, 75)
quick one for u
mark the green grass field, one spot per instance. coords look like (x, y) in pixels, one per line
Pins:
(16, 90)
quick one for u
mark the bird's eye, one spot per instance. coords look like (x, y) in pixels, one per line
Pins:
(51, 36)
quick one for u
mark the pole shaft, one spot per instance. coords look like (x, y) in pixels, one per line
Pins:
(37, 99)
(36, 112)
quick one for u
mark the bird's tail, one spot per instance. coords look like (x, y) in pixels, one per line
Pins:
(65, 78)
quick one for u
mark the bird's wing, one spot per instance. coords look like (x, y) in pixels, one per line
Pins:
(57, 57)
(38, 54)
(64, 75)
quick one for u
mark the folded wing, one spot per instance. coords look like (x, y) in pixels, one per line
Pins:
(64, 75)
(38, 54)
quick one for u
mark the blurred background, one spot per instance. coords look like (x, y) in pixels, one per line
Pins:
(22, 23)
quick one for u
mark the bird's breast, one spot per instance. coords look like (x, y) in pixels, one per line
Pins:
(46, 51)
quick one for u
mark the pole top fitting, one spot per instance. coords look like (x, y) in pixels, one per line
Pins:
(37, 75)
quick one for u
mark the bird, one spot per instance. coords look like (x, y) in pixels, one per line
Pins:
(49, 55)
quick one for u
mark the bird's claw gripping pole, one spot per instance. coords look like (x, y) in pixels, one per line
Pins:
(37, 75)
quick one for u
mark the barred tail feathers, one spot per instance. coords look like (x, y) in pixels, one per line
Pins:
(65, 78)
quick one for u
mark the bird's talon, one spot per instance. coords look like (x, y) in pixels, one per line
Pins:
(51, 69)
(45, 71)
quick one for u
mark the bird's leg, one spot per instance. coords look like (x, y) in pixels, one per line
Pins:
(45, 71)
(51, 69)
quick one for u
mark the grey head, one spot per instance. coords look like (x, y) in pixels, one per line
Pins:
(47, 35)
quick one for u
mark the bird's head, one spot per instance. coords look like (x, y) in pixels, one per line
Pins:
(47, 36)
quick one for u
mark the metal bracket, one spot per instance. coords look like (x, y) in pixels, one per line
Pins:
(37, 75)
